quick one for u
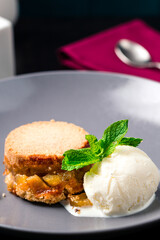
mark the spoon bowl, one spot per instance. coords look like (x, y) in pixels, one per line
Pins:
(134, 54)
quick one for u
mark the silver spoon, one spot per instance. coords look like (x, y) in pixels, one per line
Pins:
(134, 54)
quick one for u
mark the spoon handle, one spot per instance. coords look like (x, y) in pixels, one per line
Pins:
(154, 65)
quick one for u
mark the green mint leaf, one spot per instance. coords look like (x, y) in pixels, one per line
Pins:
(113, 135)
(75, 159)
(91, 139)
(130, 141)
(95, 145)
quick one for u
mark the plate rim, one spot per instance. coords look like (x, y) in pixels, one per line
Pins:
(59, 72)
(14, 229)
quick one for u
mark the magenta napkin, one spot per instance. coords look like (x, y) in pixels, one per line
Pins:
(97, 51)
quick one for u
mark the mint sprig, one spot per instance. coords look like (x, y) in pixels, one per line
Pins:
(112, 137)
(134, 142)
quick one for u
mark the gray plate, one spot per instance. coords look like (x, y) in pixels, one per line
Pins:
(91, 100)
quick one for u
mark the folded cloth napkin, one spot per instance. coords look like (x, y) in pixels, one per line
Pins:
(97, 51)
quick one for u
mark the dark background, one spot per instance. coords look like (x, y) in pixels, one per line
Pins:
(45, 25)
(88, 8)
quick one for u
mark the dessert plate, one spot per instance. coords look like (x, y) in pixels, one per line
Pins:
(92, 100)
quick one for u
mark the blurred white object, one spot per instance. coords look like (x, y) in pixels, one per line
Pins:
(9, 9)
(6, 49)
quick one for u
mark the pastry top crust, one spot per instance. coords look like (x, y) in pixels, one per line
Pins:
(38, 147)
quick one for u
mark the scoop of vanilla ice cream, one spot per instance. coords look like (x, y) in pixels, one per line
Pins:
(123, 182)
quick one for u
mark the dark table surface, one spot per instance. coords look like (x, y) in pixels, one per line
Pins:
(36, 42)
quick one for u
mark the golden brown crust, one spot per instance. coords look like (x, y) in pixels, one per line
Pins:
(34, 165)
(38, 147)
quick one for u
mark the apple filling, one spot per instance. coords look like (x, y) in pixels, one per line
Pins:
(65, 184)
